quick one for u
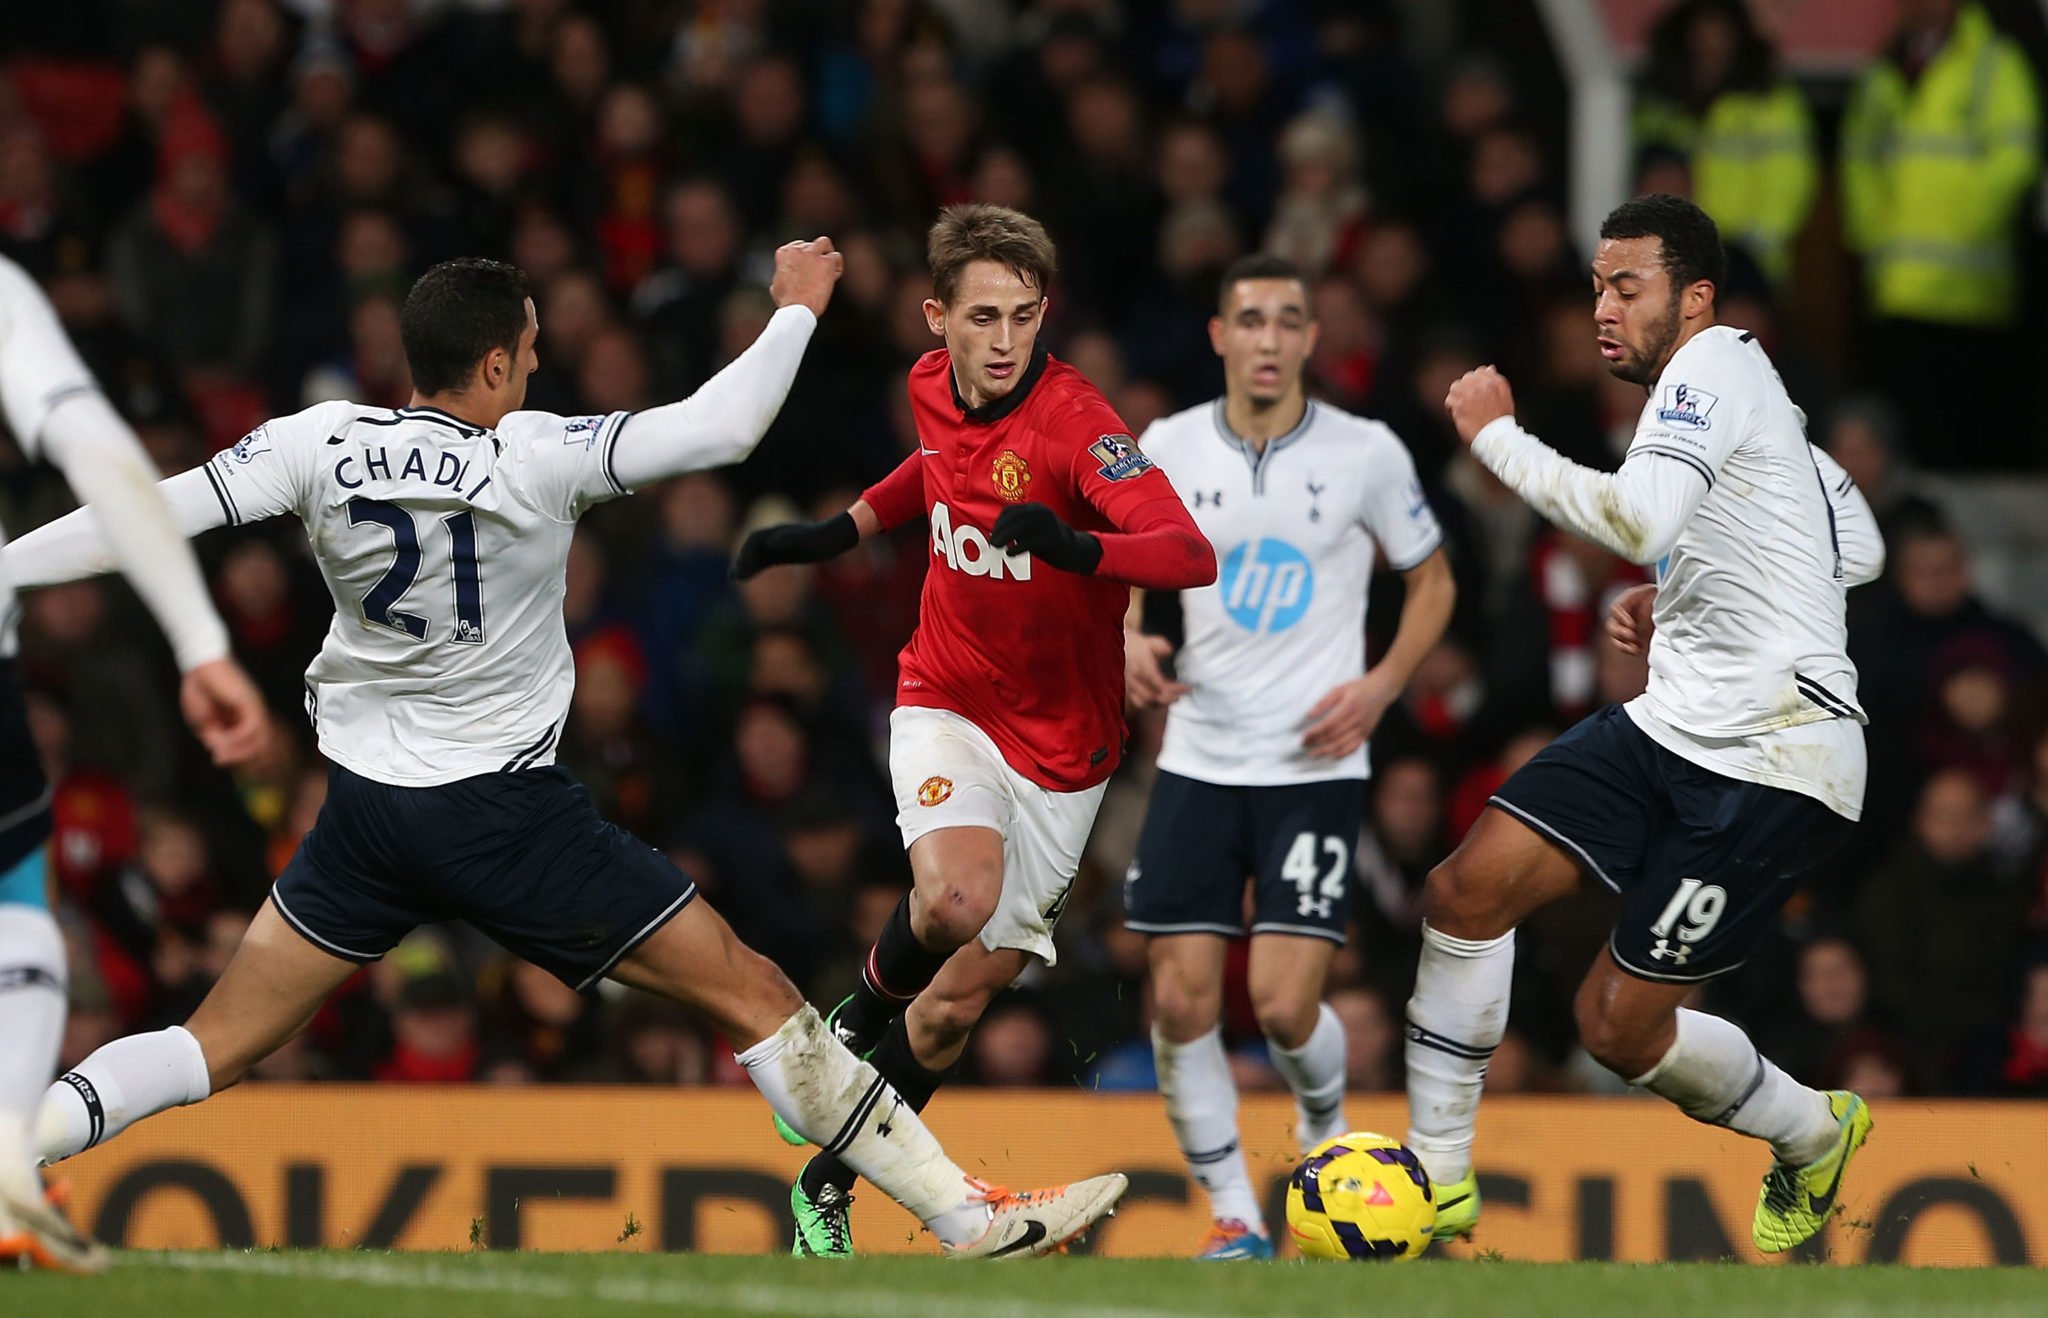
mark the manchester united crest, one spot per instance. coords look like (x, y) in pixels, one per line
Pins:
(934, 790)
(1012, 477)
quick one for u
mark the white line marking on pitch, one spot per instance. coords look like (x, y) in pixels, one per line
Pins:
(735, 1298)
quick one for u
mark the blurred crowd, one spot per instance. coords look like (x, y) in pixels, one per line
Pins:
(227, 200)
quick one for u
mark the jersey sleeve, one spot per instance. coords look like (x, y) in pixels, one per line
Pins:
(1705, 404)
(898, 497)
(1394, 509)
(1109, 470)
(1638, 512)
(1156, 544)
(266, 473)
(566, 463)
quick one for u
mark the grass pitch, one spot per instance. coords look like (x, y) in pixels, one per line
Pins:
(342, 1284)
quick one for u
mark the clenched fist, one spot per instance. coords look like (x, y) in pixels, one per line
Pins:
(805, 273)
(1477, 399)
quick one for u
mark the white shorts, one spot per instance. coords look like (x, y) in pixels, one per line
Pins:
(947, 773)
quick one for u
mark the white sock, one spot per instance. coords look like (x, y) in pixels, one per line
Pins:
(31, 1005)
(1716, 1075)
(1315, 1072)
(31, 1030)
(1201, 1102)
(837, 1102)
(1455, 1021)
(119, 1085)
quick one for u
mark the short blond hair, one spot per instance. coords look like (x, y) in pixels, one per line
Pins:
(978, 231)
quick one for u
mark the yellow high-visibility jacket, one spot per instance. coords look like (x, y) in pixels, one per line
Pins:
(1934, 174)
(1754, 165)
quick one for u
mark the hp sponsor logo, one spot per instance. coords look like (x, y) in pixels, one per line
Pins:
(1267, 585)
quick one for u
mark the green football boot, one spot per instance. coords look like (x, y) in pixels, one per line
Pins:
(1457, 1208)
(824, 1225)
(1796, 1202)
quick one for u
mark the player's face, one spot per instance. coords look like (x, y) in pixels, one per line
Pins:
(1637, 313)
(1264, 336)
(990, 328)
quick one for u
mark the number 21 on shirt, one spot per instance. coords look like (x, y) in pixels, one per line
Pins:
(380, 602)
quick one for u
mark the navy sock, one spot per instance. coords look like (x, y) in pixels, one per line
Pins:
(897, 969)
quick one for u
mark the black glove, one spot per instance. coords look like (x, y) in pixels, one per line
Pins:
(1034, 529)
(795, 542)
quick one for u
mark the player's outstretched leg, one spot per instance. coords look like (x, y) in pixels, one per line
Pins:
(1186, 973)
(32, 983)
(1710, 1069)
(839, 1102)
(918, 1052)
(821, 1199)
(897, 969)
(958, 875)
(271, 989)
(1501, 871)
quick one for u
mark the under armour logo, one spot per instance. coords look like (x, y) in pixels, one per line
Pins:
(1678, 954)
(1208, 498)
(1319, 907)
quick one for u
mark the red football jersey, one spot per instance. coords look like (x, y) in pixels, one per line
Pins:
(1032, 655)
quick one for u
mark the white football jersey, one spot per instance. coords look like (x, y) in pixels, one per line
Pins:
(38, 369)
(1749, 667)
(1752, 632)
(1295, 528)
(445, 546)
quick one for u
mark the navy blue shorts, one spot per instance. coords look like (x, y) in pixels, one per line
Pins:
(522, 856)
(1201, 841)
(1702, 861)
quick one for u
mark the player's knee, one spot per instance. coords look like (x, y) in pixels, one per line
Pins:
(1459, 901)
(1617, 1044)
(1286, 1016)
(951, 913)
(1185, 1011)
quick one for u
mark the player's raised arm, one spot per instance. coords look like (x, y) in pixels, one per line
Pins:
(722, 422)
(75, 546)
(256, 479)
(1638, 512)
(106, 467)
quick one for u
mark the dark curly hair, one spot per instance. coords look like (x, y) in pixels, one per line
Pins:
(1692, 245)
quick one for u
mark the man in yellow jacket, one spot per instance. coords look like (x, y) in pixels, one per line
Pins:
(1713, 94)
(1940, 151)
